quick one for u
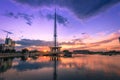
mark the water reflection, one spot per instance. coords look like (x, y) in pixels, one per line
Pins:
(94, 63)
(55, 60)
(5, 63)
(84, 67)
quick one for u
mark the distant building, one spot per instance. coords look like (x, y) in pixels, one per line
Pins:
(81, 51)
(8, 45)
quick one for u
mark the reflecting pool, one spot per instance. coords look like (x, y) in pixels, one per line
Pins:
(78, 67)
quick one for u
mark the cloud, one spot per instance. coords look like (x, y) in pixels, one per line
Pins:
(60, 19)
(27, 17)
(81, 8)
(73, 42)
(109, 42)
(24, 16)
(105, 41)
(49, 14)
(67, 43)
(28, 42)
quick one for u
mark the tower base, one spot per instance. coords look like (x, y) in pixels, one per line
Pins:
(55, 50)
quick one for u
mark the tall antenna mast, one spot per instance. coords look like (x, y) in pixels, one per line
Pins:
(55, 49)
(55, 27)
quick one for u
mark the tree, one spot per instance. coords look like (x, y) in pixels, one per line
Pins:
(66, 51)
(25, 50)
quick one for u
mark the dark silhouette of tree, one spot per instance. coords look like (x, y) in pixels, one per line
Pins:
(25, 50)
(66, 51)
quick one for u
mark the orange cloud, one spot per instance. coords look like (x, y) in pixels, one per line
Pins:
(97, 43)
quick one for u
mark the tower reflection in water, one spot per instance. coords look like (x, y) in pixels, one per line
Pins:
(55, 60)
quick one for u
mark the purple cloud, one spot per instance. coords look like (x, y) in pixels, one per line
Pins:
(24, 16)
(81, 8)
(60, 19)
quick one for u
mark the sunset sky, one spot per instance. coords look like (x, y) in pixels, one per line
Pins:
(82, 24)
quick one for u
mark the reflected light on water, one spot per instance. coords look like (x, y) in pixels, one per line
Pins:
(106, 64)
(84, 67)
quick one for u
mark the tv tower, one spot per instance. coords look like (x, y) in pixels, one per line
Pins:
(56, 48)
(55, 30)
